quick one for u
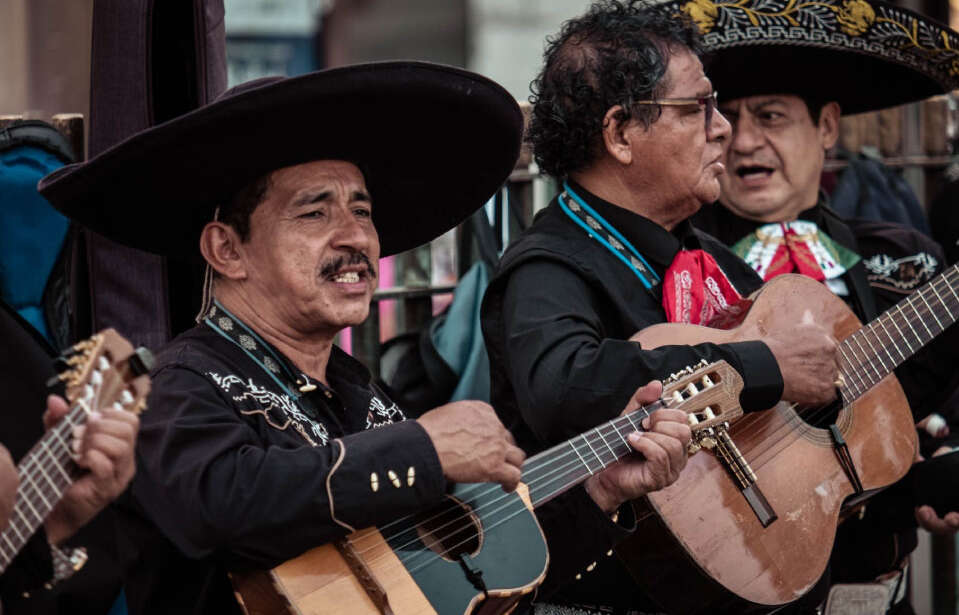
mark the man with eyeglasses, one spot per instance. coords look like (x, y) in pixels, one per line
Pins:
(773, 212)
(624, 118)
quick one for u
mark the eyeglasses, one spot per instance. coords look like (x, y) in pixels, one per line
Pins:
(709, 103)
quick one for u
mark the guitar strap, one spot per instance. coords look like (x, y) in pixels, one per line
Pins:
(365, 576)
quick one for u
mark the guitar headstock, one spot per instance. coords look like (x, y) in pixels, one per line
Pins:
(106, 371)
(709, 394)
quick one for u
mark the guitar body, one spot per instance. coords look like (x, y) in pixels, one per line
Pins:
(726, 559)
(510, 551)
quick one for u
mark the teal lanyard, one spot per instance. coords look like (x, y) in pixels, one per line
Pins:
(254, 342)
(587, 218)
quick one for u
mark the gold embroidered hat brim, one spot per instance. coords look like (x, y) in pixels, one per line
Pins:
(865, 54)
(435, 143)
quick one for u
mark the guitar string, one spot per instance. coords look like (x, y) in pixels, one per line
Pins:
(862, 363)
(492, 487)
(489, 516)
(21, 526)
(58, 457)
(777, 441)
(811, 415)
(521, 509)
(550, 455)
(533, 482)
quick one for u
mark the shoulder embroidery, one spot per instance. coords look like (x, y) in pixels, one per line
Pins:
(316, 433)
(379, 414)
(906, 273)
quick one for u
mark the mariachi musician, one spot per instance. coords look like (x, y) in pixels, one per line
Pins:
(625, 118)
(785, 113)
(263, 438)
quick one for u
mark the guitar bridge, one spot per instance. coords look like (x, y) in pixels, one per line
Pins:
(718, 440)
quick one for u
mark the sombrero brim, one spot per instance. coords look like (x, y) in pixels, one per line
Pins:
(434, 141)
(865, 54)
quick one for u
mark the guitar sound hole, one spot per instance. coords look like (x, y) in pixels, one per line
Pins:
(820, 416)
(450, 529)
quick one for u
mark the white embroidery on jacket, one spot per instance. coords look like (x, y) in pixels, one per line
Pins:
(268, 400)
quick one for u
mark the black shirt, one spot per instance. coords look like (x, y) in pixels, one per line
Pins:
(557, 318)
(238, 469)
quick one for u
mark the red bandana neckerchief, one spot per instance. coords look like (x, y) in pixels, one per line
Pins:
(696, 291)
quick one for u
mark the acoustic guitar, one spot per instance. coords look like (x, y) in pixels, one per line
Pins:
(481, 551)
(754, 527)
(103, 371)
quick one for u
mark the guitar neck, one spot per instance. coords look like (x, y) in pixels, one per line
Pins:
(46, 472)
(874, 351)
(558, 469)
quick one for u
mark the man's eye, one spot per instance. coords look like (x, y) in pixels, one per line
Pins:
(362, 213)
(316, 213)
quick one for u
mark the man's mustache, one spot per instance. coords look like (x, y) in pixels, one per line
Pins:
(332, 267)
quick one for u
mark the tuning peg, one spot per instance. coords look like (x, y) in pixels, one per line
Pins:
(141, 361)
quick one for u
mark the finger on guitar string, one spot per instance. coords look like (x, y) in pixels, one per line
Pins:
(57, 408)
(646, 394)
(669, 419)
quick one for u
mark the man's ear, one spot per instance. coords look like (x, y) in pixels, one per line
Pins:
(616, 139)
(220, 246)
(829, 124)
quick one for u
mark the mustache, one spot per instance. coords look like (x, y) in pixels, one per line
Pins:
(333, 266)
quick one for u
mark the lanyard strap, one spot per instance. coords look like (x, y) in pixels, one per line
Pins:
(603, 232)
(273, 365)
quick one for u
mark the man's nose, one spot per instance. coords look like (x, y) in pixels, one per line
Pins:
(719, 128)
(747, 136)
(353, 234)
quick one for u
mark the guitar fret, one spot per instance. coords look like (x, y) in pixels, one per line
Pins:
(902, 335)
(56, 462)
(619, 433)
(847, 376)
(583, 461)
(5, 556)
(583, 436)
(865, 334)
(13, 525)
(874, 328)
(56, 488)
(931, 311)
(6, 538)
(611, 451)
(866, 360)
(920, 318)
(944, 304)
(26, 498)
(881, 362)
(891, 340)
(949, 286)
(908, 322)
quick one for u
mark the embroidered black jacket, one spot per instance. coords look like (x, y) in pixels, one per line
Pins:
(237, 470)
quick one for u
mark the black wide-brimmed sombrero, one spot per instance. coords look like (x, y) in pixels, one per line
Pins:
(434, 142)
(865, 54)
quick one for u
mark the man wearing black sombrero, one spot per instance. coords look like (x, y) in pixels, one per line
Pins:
(787, 71)
(263, 439)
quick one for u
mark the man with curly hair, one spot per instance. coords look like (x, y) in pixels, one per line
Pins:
(625, 118)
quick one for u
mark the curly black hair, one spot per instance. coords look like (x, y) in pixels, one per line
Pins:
(615, 54)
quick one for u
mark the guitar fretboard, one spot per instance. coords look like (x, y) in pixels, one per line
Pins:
(46, 472)
(874, 351)
(554, 471)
